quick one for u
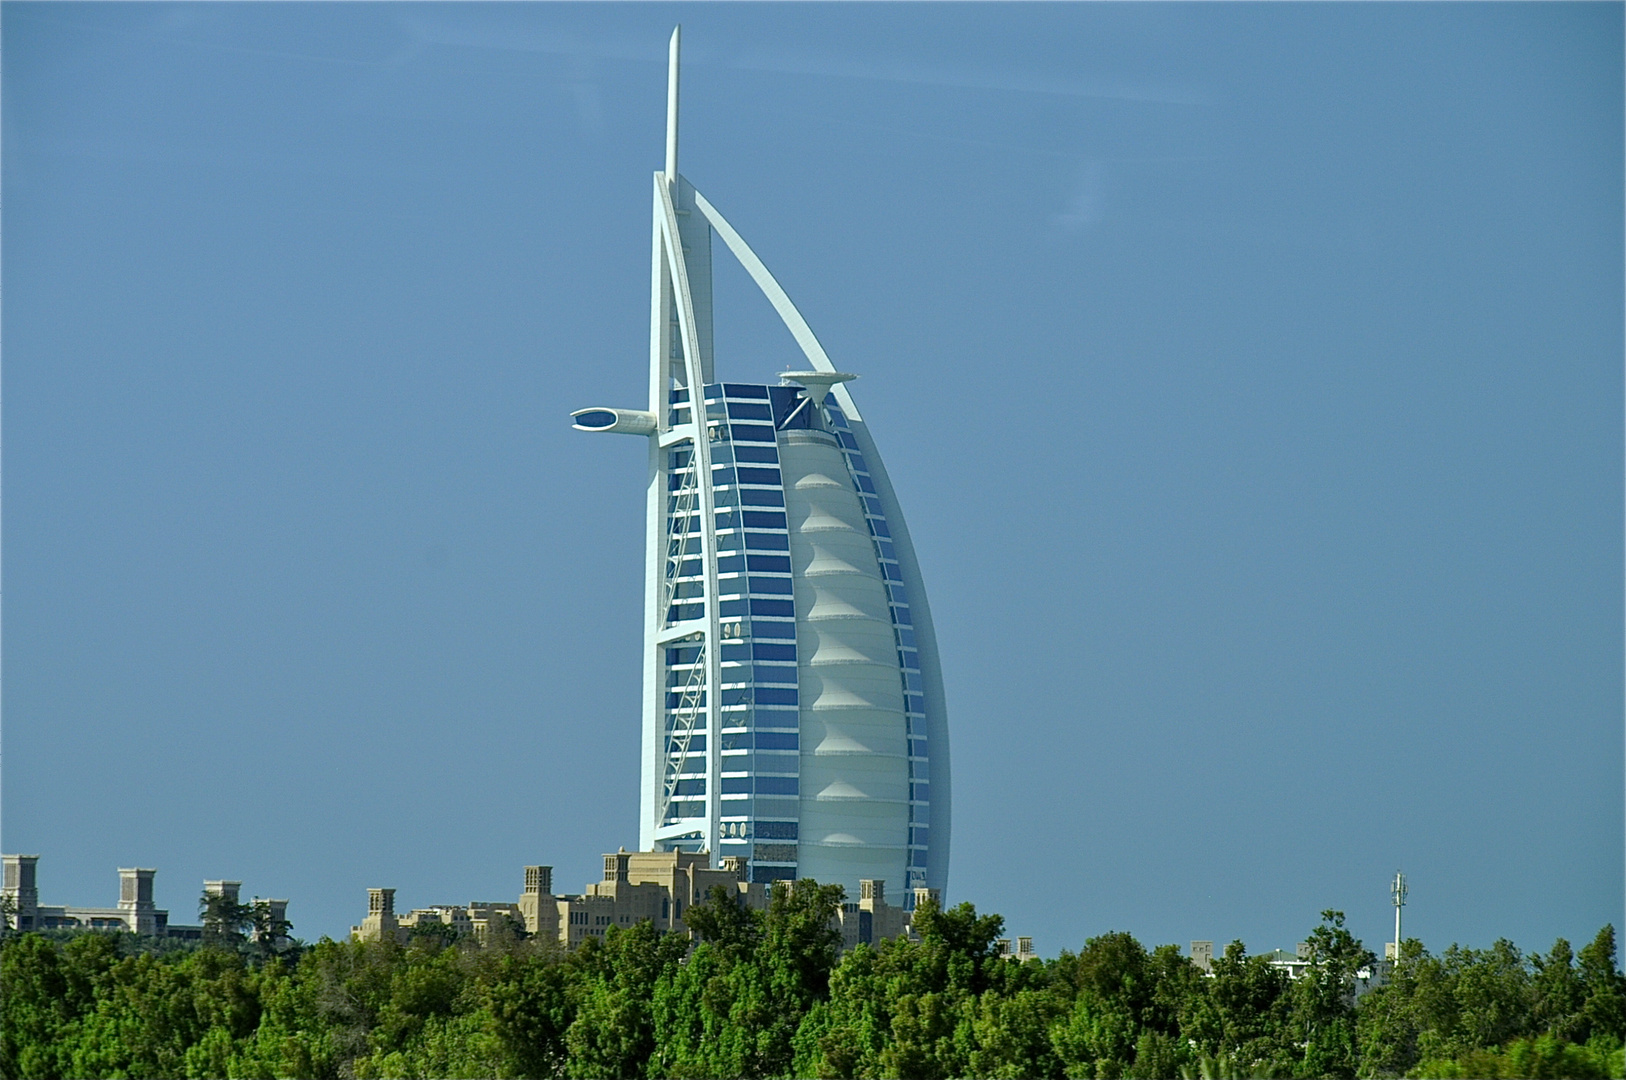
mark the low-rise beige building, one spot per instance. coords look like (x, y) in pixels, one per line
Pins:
(657, 886)
(871, 919)
(637, 885)
(135, 913)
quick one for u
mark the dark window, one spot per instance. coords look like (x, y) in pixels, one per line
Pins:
(908, 658)
(740, 695)
(680, 394)
(865, 483)
(690, 568)
(753, 433)
(791, 409)
(749, 475)
(777, 763)
(685, 612)
(736, 785)
(911, 681)
(768, 541)
(920, 792)
(779, 586)
(764, 673)
(887, 550)
(776, 785)
(731, 607)
(736, 652)
(690, 787)
(743, 410)
(761, 497)
(914, 703)
(773, 852)
(766, 875)
(920, 770)
(773, 564)
(745, 390)
(764, 519)
(917, 858)
(906, 637)
(917, 747)
(899, 594)
(847, 440)
(764, 651)
(736, 740)
(682, 655)
(722, 475)
(677, 697)
(731, 564)
(778, 630)
(873, 505)
(776, 830)
(766, 454)
(775, 695)
(678, 480)
(891, 572)
(917, 835)
(777, 740)
(783, 608)
(856, 460)
(688, 589)
(596, 419)
(878, 527)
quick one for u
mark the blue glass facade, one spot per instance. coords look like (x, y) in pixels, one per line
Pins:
(759, 698)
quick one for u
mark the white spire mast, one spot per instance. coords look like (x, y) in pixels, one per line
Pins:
(672, 106)
(1397, 889)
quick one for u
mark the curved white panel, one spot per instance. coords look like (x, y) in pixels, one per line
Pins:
(855, 776)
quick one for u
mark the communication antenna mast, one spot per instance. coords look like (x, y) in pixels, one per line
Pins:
(1397, 889)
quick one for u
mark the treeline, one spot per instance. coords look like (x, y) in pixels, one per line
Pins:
(764, 995)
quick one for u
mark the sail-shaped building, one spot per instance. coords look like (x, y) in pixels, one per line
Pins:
(793, 705)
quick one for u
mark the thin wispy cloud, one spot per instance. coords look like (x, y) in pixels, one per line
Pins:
(515, 37)
(897, 70)
(1085, 206)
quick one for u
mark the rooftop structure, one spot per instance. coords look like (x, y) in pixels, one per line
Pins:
(793, 712)
(135, 911)
(638, 886)
(1022, 953)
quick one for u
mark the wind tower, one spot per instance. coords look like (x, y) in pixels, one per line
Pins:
(793, 707)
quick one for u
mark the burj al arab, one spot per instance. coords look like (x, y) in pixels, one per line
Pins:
(793, 708)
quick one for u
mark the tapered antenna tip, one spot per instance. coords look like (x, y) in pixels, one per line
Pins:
(672, 105)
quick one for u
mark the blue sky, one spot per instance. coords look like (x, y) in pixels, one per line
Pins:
(1250, 375)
